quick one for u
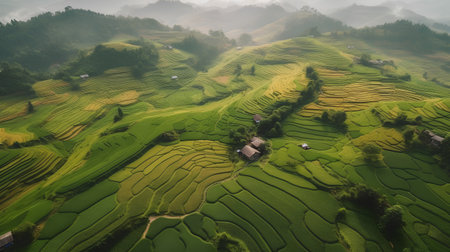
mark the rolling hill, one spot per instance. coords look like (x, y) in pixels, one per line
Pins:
(127, 163)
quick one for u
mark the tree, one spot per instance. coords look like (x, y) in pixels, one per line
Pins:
(408, 135)
(245, 39)
(391, 221)
(418, 120)
(23, 234)
(371, 152)
(339, 117)
(119, 115)
(365, 59)
(238, 70)
(252, 70)
(30, 107)
(401, 119)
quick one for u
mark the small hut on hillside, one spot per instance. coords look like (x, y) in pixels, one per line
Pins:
(250, 153)
(431, 139)
(84, 76)
(257, 118)
(6, 241)
(257, 142)
(174, 77)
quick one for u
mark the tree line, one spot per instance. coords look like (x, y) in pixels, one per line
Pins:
(54, 38)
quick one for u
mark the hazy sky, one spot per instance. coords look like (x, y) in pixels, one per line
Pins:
(22, 9)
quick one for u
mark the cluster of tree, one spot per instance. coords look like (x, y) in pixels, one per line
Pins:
(103, 58)
(335, 117)
(224, 242)
(389, 217)
(241, 136)
(400, 120)
(314, 84)
(15, 79)
(169, 136)
(238, 71)
(405, 35)
(23, 234)
(245, 39)
(52, 38)
(119, 115)
(205, 48)
(372, 152)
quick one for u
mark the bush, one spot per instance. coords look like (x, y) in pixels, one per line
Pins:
(391, 222)
(169, 136)
(365, 197)
(372, 152)
(335, 117)
(365, 59)
(224, 243)
(24, 234)
(408, 135)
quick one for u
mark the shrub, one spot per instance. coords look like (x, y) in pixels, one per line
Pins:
(365, 197)
(30, 107)
(365, 59)
(224, 242)
(408, 135)
(391, 222)
(24, 234)
(169, 136)
(372, 152)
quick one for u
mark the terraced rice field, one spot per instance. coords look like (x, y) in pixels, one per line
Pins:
(166, 180)
(90, 183)
(20, 169)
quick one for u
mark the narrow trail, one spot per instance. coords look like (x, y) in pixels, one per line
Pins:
(153, 218)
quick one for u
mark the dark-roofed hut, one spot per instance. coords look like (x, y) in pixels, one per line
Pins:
(257, 142)
(250, 153)
(257, 118)
(6, 241)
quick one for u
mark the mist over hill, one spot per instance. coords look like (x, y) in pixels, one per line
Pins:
(359, 16)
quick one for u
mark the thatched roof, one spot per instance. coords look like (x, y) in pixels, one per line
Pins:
(249, 151)
(437, 138)
(257, 142)
(257, 118)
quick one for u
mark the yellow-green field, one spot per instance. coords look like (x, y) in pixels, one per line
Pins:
(90, 183)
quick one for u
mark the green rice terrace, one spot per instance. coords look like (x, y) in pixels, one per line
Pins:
(120, 162)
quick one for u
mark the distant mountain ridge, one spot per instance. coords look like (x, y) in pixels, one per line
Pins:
(234, 19)
(359, 16)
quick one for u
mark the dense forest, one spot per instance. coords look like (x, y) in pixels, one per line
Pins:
(404, 34)
(53, 38)
(15, 79)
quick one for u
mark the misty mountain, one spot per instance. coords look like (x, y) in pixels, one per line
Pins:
(359, 16)
(236, 20)
(233, 20)
(167, 12)
(297, 24)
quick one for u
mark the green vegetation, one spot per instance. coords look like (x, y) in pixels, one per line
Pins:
(14, 79)
(28, 43)
(141, 155)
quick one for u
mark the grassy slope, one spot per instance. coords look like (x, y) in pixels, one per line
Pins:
(280, 203)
